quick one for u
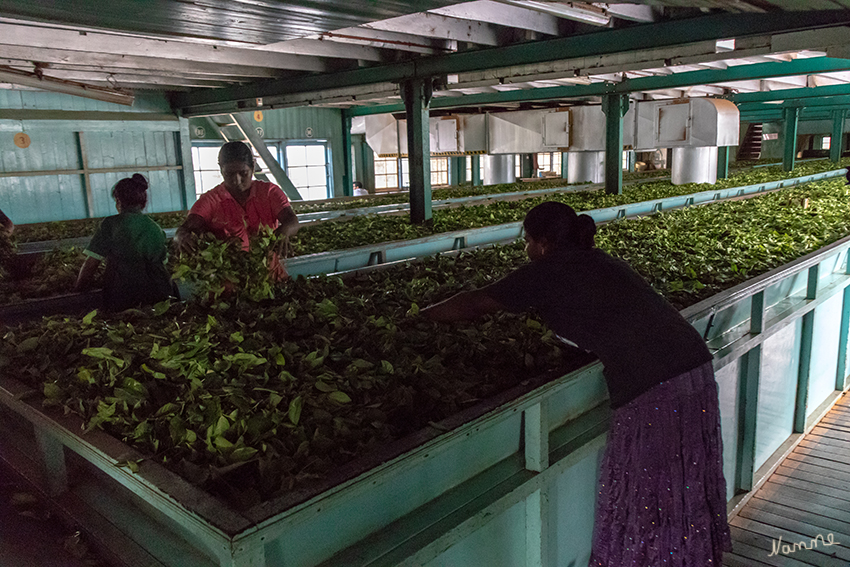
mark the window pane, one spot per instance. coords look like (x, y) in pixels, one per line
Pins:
(316, 176)
(380, 167)
(198, 185)
(296, 156)
(210, 179)
(208, 157)
(315, 155)
(298, 176)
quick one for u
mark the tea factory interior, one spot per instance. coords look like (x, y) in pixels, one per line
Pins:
(442, 121)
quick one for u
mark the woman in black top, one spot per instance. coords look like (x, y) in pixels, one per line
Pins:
(661, 492)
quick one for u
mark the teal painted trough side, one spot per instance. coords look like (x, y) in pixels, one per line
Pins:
(370, 255)
(512, 486)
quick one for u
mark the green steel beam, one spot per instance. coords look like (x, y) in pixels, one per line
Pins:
(647, 36)
(748, 393)
(615, 107)
(347, 180)
(722, 162)
(826, 101)
(804, 115)
(564, 165)
(791, 117)
(837, 138)
(841, 371)
(672, 81)
(804, 370)
(789, 94)
(416, 95)
(476, 171)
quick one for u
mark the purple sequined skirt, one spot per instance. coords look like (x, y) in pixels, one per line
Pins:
(662, 497)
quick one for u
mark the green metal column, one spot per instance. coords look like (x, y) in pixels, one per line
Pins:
(347, 180)
(417, 97)
(791, 116)
(803, 373)
(722, 162)
(368, 166)
(356, 158)
(614, 106)
(843, 334)
(837, 139)
(476, 171)
(457, 170)
(750, 376)
(841, 372)
(564, 165)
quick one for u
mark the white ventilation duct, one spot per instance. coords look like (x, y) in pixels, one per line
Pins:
(586, 159)
(586, 167)
(499, 169)
(693, 128)
(686, 124)
(528, 131)
(694, 165)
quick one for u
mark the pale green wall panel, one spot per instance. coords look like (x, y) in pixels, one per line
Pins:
(780, 364)
(47, 151)
(42, 199)
(824, 352)
(41, 100)
(431, 477)
(497, 544)
(163, 195)
(728, 379)
(572, 503)
(35, 199)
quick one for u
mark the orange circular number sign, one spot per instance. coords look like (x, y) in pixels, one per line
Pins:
(258, 115)
(22, 140)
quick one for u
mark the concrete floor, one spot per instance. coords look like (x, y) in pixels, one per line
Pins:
(30, 535)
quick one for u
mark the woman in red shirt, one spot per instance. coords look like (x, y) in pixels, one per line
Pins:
(240, 206)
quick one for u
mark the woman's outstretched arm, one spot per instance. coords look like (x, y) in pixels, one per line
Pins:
(463, 306)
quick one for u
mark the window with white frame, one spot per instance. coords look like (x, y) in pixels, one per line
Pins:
(826, 142)
(205, 165)
(549, 161)
(439, 171)
(307, 168)
(306, 165)
(386, 173)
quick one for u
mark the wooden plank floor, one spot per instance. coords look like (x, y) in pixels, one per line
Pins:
(807, 499)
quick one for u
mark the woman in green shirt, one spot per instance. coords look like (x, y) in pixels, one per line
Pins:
(134, 248)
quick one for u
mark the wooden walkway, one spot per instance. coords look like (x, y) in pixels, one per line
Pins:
(807, 499)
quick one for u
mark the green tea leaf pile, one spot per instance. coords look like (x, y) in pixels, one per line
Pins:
(251, 399)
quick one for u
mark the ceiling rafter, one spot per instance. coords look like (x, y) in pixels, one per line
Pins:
(52, 38)
(501, 14)
(648, 36)
(438, 26)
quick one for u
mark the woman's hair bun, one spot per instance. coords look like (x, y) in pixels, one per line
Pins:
(585, 229)
(140, 179)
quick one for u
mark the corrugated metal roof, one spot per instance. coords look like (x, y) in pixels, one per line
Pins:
(173, 45)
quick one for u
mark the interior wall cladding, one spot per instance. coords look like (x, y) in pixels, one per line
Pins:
(62, 197)
(292, 124)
